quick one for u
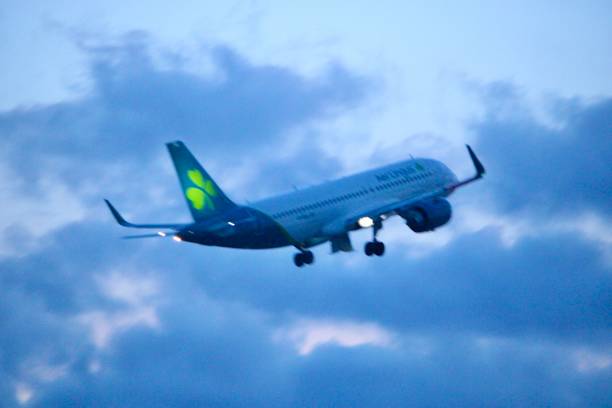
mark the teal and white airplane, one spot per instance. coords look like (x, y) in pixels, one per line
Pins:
(414, 189)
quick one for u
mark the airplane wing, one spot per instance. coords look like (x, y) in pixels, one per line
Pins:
(121, 221)
(379, 213)
(376, 213)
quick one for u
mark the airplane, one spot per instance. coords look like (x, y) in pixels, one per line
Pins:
(414, 189)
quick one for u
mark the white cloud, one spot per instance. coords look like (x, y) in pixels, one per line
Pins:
(94, 366)
(104, 325)
(587, 361)
(139, 295)
(36, 210)
(592, 227)
(583, 359)
(588, 225)
(132, 290)
(510, 228)
(23, 393)
(308, 334)
(43, 371)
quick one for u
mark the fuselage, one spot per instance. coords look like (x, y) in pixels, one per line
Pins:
(310, 216)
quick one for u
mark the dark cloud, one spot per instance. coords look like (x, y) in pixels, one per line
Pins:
(135, 106)
(552, 286)
(539, 302)
(203, 356)
(109, 143)
(531, 166)
(114, 133)
(456, 373)
(499, 325)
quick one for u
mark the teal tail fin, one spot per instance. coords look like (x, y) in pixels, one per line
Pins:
(203, 195)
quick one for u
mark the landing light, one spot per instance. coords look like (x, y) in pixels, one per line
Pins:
(231, 224)
(177, 238)
(365, 222)
(161, 234)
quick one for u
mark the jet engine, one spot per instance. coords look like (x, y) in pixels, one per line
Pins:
(426, 215)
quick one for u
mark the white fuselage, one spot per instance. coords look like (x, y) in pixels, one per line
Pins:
(309, 214)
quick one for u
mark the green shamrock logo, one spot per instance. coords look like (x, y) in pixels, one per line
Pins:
(201, 197)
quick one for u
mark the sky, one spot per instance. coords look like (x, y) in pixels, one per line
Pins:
(510, 304)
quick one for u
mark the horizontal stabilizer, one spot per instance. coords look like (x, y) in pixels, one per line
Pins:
(121, 221)
(157, 235)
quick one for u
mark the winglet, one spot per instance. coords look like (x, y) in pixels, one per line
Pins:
(480, 170)
(120, 220)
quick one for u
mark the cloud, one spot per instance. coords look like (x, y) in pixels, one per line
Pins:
(309, 334)
(68, 151)
(589, 362)
(459, 335)
(135, 106)
(458, 370)
(91, 320)
(137, 296)
(553, 285)
(74, 300)
(560, 170)
(33, 210)
(23, 393)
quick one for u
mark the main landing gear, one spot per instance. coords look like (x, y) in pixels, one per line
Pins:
(375, 247)
(303, 258)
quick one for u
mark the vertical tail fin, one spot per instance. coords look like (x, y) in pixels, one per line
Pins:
(203, 195)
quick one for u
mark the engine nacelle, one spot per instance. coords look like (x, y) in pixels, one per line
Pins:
(426, 215)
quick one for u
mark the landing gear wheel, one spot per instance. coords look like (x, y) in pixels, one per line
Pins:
(303, 258)
(298, 260)
(379, 248)
(374, 248)
(308, 257)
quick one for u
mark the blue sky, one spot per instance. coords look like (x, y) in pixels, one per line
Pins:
(508, 305)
